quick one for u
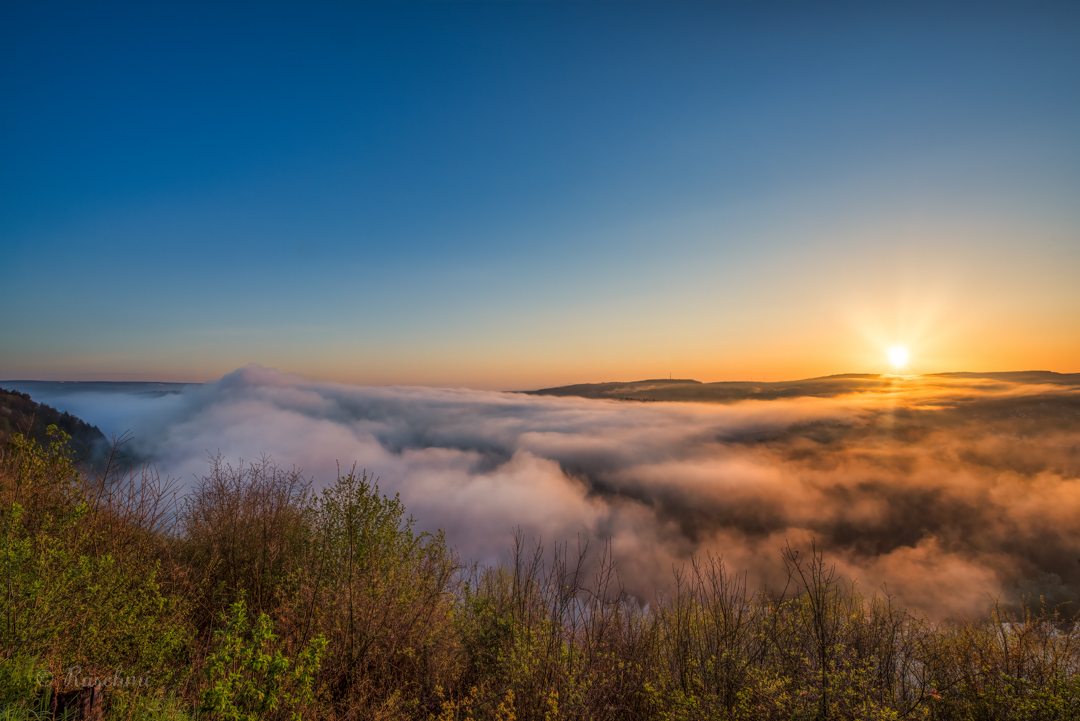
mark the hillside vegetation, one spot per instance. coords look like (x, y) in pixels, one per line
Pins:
(253, 597)
(19, 413)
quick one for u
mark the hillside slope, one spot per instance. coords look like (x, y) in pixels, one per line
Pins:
(19, 413)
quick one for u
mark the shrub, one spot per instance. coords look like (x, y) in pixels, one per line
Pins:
(380, 593)
(248, 676)
(243, 534)
(68, 600)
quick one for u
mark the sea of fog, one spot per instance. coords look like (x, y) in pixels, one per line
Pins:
(950, 491)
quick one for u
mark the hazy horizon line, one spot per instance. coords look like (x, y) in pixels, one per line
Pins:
(565, 385)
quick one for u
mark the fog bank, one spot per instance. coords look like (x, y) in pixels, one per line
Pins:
(951, 490)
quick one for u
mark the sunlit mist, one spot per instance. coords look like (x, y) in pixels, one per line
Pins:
(888, 476)
(898, 356)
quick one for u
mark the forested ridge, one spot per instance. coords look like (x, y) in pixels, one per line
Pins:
(19, 413)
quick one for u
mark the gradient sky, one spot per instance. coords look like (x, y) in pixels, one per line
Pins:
(521, 195)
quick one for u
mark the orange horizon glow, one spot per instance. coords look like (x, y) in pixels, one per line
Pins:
(773, 343)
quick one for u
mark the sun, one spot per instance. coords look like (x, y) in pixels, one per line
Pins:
(898, 356)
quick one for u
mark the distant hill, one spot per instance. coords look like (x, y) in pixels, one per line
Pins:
(20, 414)
(58, 389)
(665, 389)
(1064, 379)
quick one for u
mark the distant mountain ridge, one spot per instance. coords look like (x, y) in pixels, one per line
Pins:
(684, 389)
(59, 388)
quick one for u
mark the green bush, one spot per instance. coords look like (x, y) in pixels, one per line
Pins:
(381, 595)
(248, 676)
(68, 600)
(265, 600)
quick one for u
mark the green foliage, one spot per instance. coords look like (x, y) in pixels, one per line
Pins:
(64, 601)
(25, 694)
(379, 592)
(248, 675)
(1014, 698)
(19, 414)
(20, 684)
(161, 706)
(268, 601)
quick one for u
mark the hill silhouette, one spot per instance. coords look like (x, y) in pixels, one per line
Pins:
(19, 413)
(665, 389)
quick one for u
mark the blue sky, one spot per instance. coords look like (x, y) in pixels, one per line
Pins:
(513, 195)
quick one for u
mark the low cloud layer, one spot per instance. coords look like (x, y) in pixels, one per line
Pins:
(950, 490)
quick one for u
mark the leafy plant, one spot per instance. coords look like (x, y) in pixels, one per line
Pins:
(268, 601)
(248, 675)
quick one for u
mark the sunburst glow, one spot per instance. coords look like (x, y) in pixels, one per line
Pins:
(898, 356)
